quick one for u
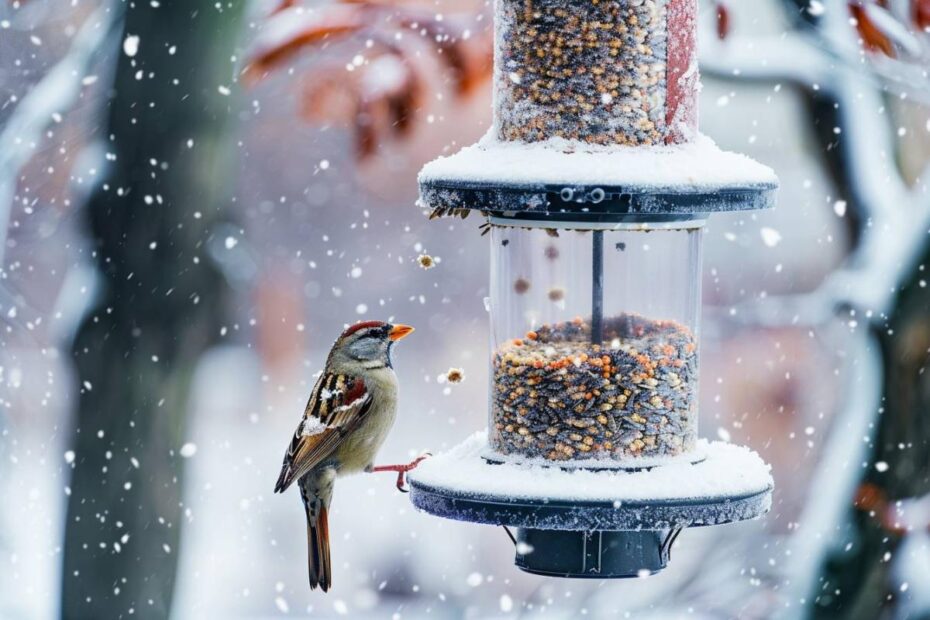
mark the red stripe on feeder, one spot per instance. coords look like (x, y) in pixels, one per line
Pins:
(682, 72)
(617, 72)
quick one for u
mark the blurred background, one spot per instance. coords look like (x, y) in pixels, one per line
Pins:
(196, 197)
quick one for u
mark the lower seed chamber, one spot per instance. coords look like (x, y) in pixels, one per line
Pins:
(556, 396)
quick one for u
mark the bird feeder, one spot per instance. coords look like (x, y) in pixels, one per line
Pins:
(596, 186)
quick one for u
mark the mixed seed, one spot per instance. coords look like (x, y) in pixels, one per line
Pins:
(559, 397)
(593, 71)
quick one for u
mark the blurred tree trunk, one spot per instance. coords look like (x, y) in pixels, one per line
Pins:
(167, 176)
(857, 582)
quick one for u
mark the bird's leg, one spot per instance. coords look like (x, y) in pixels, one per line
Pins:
(401, 470)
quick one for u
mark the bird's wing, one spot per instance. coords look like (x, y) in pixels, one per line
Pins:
(336, 407)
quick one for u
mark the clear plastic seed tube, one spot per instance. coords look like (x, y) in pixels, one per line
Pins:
(566, 387)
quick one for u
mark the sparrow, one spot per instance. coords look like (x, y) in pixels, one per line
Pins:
(350, 411)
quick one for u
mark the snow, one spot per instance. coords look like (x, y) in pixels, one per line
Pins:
(696, 165)
(312, 426)
(770, 236)
(728, 470)
(694, 456)
(131, 45)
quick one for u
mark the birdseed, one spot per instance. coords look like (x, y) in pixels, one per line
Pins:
(558, 397)
(593, 71)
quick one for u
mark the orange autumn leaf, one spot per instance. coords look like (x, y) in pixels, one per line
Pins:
(872, 37)
(381, 94)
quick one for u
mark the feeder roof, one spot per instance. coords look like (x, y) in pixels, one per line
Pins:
(557, 175)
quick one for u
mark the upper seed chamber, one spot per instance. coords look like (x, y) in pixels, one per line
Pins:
(598, 71)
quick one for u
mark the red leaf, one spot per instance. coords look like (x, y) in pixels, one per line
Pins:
(873, 38)
(921, 11)
(723, 21)
(292, 32)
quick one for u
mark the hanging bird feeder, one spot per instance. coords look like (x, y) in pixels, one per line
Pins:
(596, 185)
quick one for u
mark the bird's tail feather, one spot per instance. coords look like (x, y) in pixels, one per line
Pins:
(284, 479)
(321, 573)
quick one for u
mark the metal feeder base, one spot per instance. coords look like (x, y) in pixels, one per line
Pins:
(593, 555)
(608, 531)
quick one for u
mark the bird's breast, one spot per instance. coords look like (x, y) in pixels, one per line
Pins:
(360, 447)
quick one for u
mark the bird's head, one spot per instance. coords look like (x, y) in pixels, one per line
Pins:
(368, 343)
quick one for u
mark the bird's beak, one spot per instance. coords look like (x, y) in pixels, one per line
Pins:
(399, 331)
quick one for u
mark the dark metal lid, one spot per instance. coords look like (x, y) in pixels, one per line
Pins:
(561, 179)
(591, 202)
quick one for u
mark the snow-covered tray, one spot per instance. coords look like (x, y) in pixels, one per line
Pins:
(731, 484)
(556, 174)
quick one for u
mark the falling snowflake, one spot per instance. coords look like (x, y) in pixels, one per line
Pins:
(770, 236)
(312, 426)
(131, 45)
(506, 603)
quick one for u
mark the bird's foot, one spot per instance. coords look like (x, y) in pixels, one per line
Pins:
(402, 471)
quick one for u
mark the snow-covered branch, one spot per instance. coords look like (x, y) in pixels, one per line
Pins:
(849, 92)
(893, 218)
(52, 95)
(787, 58)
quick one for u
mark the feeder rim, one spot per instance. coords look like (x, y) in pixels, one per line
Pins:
(629, 504)
(461, 485)
(655, 225)
(557, 177)
(591, 202)
(590, 515)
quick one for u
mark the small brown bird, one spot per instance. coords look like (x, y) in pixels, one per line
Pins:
(350, 411)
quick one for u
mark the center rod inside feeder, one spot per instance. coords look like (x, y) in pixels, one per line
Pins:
(597, 288)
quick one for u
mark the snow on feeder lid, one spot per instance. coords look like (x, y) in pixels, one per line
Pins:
(596, 186)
